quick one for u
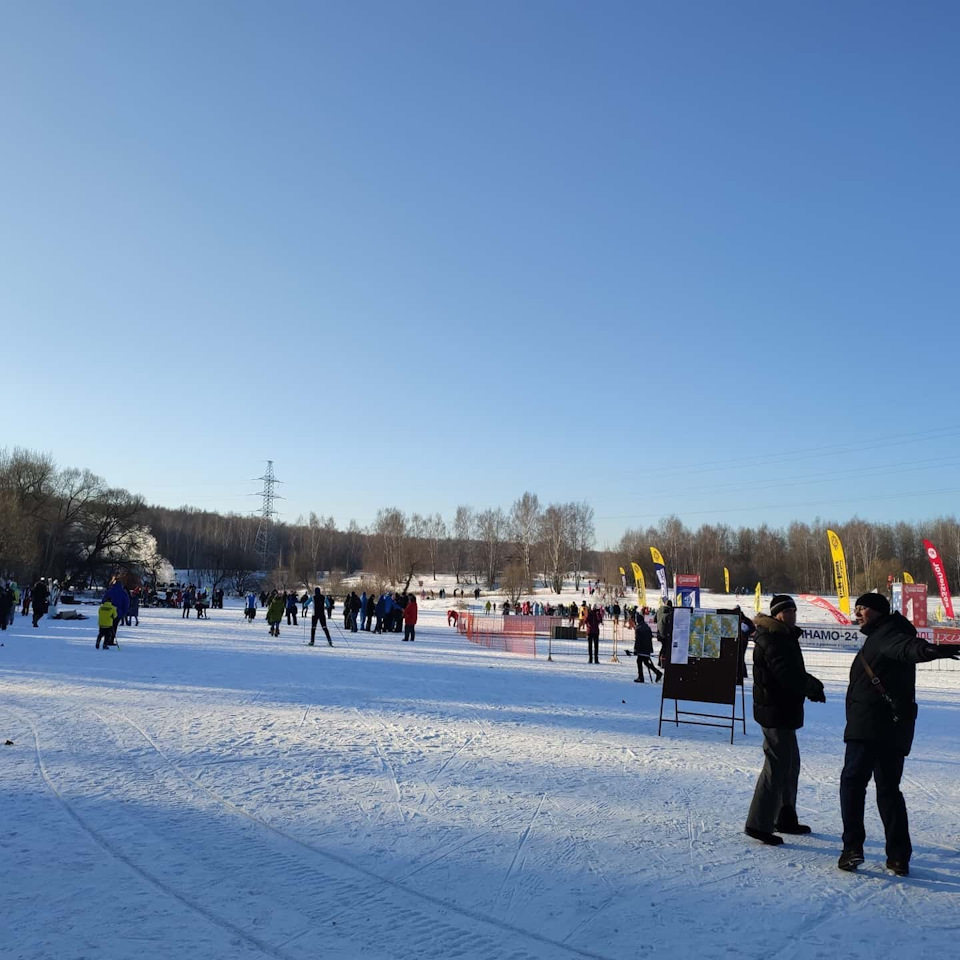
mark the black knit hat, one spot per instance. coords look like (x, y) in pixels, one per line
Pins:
(781, 602)
(874, 601)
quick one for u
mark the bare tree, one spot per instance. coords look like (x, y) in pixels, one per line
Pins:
(583, 534)
(556, 532)
(462, 530)
(491, 531)
(513, 584)
(18, 537)
(524, 527)
(391, 532)
(436, 534)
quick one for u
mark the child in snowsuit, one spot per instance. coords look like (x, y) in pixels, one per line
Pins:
(106, 618)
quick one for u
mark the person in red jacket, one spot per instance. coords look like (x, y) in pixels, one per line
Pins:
(594, 619)
(410, 619)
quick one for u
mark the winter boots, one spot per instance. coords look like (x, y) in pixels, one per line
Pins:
(770, 839)
(850, 860)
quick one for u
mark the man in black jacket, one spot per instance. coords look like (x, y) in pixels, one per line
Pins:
(664, 622)
(780, 685)
(881, 715)
(319, 616)
(40, 597)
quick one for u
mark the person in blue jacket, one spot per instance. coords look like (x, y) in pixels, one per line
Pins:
(378, 613)
(119, 597)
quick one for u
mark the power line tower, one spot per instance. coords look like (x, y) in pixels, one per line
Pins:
(266, 543)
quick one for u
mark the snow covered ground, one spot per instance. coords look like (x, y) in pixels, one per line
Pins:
(210, 792)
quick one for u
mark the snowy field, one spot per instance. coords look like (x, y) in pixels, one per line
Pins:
(209, 792)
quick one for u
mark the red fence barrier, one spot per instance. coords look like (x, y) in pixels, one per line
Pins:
(510, 634)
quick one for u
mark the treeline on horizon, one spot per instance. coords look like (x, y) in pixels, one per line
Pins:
(70, 524)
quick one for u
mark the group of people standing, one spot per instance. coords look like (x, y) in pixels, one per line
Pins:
(39, 596)
(389, 613)
(118, 606)
(881, 712)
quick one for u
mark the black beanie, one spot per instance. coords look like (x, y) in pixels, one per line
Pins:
(781, 602)
(874, 601)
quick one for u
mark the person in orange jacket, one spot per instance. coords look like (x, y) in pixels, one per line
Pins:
(410, 619)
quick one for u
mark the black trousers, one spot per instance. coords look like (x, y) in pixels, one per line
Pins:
(865, 759)
(775, 796)
(593, 647)
(644, 659)
(409, 632)
(323, 627)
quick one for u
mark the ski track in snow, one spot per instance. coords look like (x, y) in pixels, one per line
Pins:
(240, 796)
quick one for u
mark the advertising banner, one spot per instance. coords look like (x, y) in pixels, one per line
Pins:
(661, 569)
(939, 571)
(915, 603)
(639, 583)
(833, 636)
(726, 580)
(826, 605)
(896, 598)
(839, 572)
(686, 589)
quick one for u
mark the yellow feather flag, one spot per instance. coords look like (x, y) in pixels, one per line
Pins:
(640, 584)
(839, 572)
(726, 579)
(939, 613)
(756, 599)
(907, 578)
(657, 556)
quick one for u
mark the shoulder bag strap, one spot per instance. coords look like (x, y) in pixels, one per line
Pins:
(875, 680)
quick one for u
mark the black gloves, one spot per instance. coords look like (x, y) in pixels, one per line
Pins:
(945, 651)
(815, 690)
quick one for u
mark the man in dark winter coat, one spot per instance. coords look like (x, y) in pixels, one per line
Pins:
(881, 714)
(780, 685)
(6, 604)
(40, 595)
(643, 648)
(664, 621)
(354, 611)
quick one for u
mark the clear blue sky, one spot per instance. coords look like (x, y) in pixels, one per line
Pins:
(428, 253)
